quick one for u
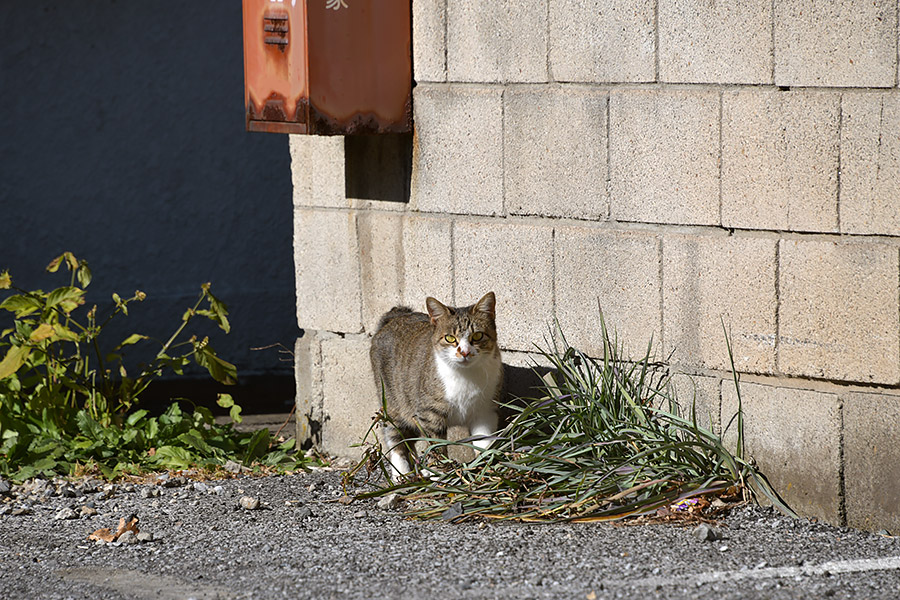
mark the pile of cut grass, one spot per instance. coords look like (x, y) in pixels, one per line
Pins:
(606, 439)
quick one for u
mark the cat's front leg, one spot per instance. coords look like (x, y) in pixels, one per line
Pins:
(483, 428)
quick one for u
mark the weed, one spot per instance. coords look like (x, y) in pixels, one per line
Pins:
(66, 405)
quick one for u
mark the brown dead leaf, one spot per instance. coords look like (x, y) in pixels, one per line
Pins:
(103, 535)
(129, 525)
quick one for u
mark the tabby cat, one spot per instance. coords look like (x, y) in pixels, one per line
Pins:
(437, 370)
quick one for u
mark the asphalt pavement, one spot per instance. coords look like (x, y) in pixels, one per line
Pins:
(290, 537)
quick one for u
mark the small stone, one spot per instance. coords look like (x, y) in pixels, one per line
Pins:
(22, 510)
(174, 482)
(199, 486)
(454, 511)
(127, 537)
(883, 532)
(723, 548)
(704, 533)
(87, 511)
(5, 510)
(314, 486)
(5, 486)
(248, 503)
(87, 487)
(65, 514)
(390, 502)
(361, 514)
(218, 490)
(304, 512)
(232, 467)
(761, 565)
(145, 536)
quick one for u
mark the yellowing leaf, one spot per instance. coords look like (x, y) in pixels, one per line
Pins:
(5, 280)
(14, 359)
(44, 331)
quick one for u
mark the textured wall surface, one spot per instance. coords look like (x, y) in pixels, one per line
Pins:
(123, 141)
(682, 162)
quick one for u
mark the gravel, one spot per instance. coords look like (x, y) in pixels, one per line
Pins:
(301, 542)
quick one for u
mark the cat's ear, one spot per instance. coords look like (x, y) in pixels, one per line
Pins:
(486, 305)
(436, 310)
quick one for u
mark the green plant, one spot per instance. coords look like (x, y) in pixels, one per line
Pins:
(607, 439)
(64, 403)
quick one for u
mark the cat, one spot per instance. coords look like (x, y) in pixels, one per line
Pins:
(436, 370)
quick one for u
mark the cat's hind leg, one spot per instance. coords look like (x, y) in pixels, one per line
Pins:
(396, 450)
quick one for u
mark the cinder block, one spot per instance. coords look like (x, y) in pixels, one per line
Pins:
(708, 281)
(317, 170)
(381, 264)
(555, 149)
(843, 43)
(664, 156)
(350, 399)
(326, 259)
(794, 436)
(602, 41)
(498, 41)
(617, 272)
(427, 260)
(838, 311)
(703, 396)
(872, 461)
(458, 160)
(715, 42)
(780, 160)
(870, 163)
(515, 261)
(308, 379)
(429, 43)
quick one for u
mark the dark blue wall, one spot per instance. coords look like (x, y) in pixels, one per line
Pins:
(122, 139)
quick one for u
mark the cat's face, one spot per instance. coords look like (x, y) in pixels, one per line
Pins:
(464, 336)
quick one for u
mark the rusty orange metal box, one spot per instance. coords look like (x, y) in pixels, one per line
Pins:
(328, 67)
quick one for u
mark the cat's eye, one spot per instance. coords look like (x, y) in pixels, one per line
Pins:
(476, 337)
(449, 339)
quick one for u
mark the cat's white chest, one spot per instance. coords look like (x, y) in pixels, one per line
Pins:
(469, 389)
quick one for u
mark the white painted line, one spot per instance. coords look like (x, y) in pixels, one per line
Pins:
(832, 568)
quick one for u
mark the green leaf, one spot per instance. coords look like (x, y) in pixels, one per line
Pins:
(220, 370)
(152, 428)
(134, 338)
(88, 426)
(84, 274)
(257, 446)
(14, 359)
(21, 305)
(61, 332)
(173, 457)
(134, 417)
(218, 311)
(194, 440)
(225, 400)
(5, 280)
(235, 414)
(67, 298)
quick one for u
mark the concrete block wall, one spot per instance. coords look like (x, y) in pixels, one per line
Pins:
(683, 165)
